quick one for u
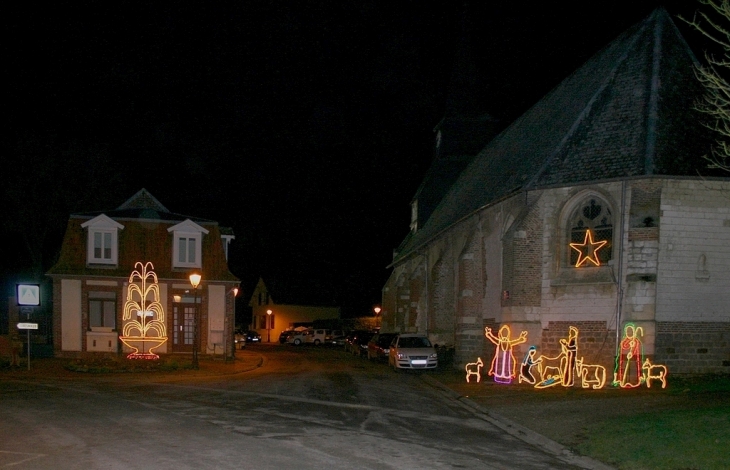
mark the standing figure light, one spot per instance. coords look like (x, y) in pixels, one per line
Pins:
(195, 281)
(268, 324)
(144, 318)
(504, 368)
(628, 372)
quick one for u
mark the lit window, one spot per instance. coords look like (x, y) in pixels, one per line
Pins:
(102, 240)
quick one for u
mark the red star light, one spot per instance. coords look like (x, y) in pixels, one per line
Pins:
(587, 251)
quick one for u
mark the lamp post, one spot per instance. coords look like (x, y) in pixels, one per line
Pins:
(377, 316)
(232, 325)
(268, 325)
(195, 282)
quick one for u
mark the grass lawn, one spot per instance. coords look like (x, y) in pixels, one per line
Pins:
(696, 436)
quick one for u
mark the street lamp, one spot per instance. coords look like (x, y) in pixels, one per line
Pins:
(268, 324)
(232, 325)
(377, 315)
(195, 282)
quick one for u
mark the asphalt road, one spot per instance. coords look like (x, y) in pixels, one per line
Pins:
(304, 408)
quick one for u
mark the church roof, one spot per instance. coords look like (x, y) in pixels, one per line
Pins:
(627, 112)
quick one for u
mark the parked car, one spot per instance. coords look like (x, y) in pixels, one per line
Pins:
(299, 337)
(337, 341)
(412, 351)
(379, 346)
(350, 337)
(239, 339)
(359, 343)
(284, 335)
(253, 337)
(318, 336)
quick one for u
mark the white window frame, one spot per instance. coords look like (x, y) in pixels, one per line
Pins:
(102, 225)
(190, 231)
(104, 299)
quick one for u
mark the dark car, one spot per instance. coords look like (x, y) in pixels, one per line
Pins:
(379, 346)
(350, 337)
(284, 335)
(253, 337)
(359, 343)
(337, 341)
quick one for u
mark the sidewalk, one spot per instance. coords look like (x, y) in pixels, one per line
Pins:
(209, 366)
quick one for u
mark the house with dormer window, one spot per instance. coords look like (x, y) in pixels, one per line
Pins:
(103, 250)
(593, 210)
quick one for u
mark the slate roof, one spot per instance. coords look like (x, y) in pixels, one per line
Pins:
(626, 112)
(144, 205)
(144, 238)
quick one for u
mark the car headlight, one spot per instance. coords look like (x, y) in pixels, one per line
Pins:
(402, 356)
(433, 356)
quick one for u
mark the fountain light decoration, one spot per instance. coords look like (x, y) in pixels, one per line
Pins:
(144, 318)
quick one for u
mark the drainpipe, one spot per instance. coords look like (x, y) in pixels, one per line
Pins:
(619, 281)
(426, 308)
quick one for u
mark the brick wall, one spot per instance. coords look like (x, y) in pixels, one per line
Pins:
(693, 347)
(596, 342)
(527, 251)
(441, 291)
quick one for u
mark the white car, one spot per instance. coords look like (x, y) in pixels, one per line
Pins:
(412, 351)
(299, 338)
(318, 336)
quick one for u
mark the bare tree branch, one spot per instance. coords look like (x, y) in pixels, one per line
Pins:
(716, 102)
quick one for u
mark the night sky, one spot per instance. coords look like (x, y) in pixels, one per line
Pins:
(305, 126)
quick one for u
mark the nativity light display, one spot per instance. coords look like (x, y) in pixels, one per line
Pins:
(588, 250)
(504, 367)
(144, 318)
(628, 372)
(568, 369)
(474, 369)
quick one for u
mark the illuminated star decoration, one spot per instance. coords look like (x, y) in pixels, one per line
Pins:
(588, 250)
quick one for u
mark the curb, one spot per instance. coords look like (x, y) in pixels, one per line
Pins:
(520, 432)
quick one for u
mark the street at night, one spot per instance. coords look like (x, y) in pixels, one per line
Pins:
(307, 408)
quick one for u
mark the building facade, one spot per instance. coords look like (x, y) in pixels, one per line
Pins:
(269, 317)
(587, 211)
(122, 282)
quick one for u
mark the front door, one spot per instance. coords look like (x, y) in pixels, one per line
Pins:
(183, 322)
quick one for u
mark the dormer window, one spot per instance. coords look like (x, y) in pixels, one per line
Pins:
(187, 244)
(102, 240)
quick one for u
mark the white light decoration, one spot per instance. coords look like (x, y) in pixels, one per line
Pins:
(144, 318)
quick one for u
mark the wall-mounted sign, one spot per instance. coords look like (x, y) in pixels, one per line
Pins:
(28, 294)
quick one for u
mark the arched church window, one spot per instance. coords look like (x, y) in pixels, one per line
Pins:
(590, 233)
